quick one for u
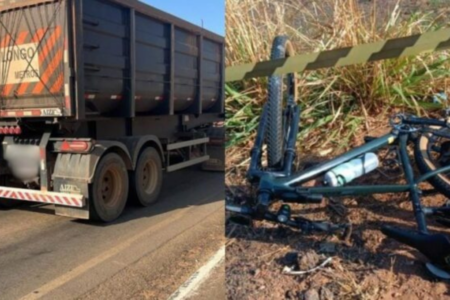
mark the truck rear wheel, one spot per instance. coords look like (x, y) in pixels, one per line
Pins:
(146, 180)
(109, 190)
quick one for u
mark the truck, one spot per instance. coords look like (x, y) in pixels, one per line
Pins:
(98, 99)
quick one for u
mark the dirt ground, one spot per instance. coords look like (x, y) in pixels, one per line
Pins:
(367, 266)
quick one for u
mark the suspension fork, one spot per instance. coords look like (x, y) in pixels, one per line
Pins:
(255, 172)
(256, 153)
(290, 153)
(414, 191)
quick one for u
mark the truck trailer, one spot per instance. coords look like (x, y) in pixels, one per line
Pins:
(98, 99)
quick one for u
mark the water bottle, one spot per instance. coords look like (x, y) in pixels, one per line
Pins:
(349, 171)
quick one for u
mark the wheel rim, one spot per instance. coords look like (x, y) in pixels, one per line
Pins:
(149, 177)
(109, 187)
(430, 156)
(434, 153)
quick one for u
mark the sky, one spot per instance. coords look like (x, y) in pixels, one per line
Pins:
(212, 12)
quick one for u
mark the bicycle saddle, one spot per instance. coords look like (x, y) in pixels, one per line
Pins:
(436, 247)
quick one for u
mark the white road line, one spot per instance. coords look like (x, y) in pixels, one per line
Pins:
(194, 282)
(97, 260)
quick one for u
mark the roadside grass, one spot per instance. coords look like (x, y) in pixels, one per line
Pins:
(338, 104)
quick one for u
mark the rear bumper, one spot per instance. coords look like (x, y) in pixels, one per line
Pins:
(71, 200)
(31, 113)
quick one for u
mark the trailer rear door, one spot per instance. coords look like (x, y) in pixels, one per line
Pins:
(34, 72)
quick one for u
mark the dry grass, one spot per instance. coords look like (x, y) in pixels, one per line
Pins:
(339, 103)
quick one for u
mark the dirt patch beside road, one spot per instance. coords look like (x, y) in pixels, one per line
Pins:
(368, 266)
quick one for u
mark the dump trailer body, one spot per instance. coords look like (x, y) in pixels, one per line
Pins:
(98, 58)
(32, 52)
(98, 97)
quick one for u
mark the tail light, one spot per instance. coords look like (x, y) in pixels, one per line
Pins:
(10, 130)
(75, 146)
(17, 130)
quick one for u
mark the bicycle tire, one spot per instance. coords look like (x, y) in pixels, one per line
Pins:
(281, 48)
(425, 164)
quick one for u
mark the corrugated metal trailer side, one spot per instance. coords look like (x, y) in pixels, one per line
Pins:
(133, 51)
(98, 98)
(109, 58)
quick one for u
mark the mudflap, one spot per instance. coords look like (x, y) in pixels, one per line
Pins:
(73, 212)
(73, 187)
(216, 162)
(71, 175)
(216, 149)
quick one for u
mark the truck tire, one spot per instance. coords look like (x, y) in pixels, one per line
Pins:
(146, 180)
(109, 190)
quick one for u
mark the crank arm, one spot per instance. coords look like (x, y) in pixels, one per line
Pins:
(305, 225)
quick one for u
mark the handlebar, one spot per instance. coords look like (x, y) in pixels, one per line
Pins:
(399, 121)
(425, 121)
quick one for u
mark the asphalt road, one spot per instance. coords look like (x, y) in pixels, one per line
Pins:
(147, 254)
(213, 287)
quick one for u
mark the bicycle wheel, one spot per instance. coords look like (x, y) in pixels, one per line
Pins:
(431, 153)
(275, 135)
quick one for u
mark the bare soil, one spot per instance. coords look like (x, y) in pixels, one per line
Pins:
(368, 266)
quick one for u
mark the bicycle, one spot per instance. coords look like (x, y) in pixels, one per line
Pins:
(279, 128)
